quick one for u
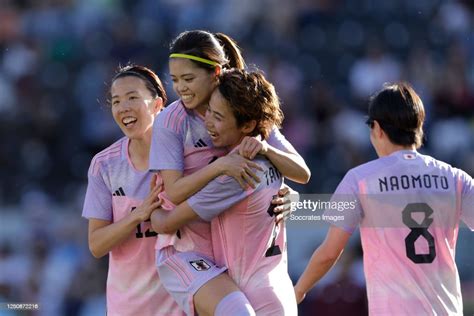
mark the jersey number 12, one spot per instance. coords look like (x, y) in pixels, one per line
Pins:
(148, 232)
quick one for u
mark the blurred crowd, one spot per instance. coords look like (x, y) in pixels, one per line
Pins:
(325, 57)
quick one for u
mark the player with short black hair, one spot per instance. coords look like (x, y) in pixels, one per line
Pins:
(121, 194)
(408, 206)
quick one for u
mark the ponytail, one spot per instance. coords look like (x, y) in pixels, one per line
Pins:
(231, 50)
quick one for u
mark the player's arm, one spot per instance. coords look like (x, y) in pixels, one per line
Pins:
(166, 222)
(291, 165)
(322, 260)
(287, 161)
(179, 187)
(167, 156)
(104, 235)
(217, 196)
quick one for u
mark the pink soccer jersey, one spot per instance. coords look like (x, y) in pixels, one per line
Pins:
(180, 142)
(408, 207)
(246, 240)
(114, 189)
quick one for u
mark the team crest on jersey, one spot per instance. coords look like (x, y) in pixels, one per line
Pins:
(200, 265)
(409, 156)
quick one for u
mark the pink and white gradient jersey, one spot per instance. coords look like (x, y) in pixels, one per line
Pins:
(181, 142)
(408, 206)
(115, 188)
(246, 239)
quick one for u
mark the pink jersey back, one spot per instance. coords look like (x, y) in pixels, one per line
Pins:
(114, 190)
(408, 207)
(246, 240)
(181, 142)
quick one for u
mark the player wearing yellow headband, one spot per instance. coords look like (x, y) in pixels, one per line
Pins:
(183, 153)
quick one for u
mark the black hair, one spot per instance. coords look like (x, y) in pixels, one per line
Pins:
(152, 81)
(400, 113)
(216, 47)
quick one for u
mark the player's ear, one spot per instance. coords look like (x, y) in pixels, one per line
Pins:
(215, 76)
(157, 105)
(379, 132)
(217, 70)
(249, 126)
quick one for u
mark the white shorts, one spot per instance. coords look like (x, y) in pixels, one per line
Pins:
(183, 273)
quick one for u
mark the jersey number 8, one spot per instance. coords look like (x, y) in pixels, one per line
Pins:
(418, 230)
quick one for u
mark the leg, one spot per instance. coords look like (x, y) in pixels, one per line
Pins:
(221, 289)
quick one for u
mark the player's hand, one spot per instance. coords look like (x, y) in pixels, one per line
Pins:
(283, 200)
(252, 146)
(239, 168)
(299, 295)
(152, 201)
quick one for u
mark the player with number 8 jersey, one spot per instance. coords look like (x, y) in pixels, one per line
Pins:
(408, 207)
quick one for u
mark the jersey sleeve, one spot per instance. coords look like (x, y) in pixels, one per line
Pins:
(278, 140)
(166, 151)
(98, 200)
(345, 209)
(467, 199)
(217, 196)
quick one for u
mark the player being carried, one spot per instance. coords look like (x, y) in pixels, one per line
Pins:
(245, 237)
(183, 153)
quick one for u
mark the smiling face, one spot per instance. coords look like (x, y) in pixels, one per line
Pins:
(133, 107)
(191, 83)
(222, 125)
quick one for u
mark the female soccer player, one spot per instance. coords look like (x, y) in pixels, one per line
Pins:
(183, 153)
(408, 206)
(245, 237)
(121, 195)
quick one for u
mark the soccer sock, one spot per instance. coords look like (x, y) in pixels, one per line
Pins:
(235, 303)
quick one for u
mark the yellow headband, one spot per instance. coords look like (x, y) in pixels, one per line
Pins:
(202, 60)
